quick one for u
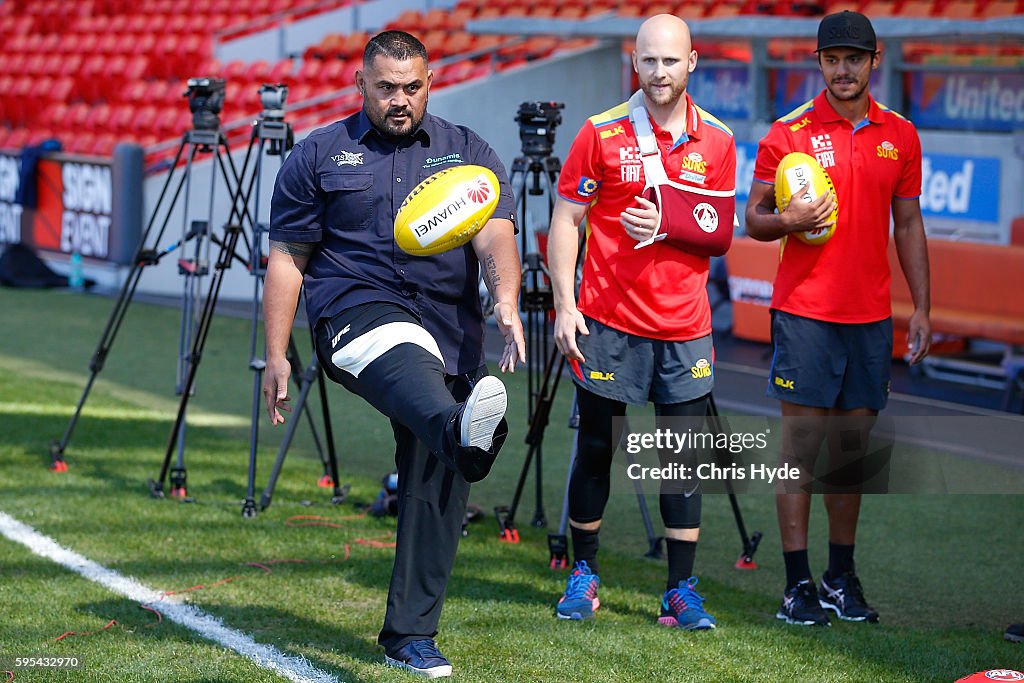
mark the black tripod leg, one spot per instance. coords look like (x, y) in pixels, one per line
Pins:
(156, 487)
(144, 256)
(340, 493)
(750, 543)
(653, 540)
(534, 437)
(307, 382)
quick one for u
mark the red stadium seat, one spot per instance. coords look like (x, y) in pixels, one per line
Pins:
(310, 72)
(281, 72)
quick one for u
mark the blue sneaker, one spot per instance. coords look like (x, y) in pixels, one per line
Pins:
(683, 608)
(580, 599)
(422, 658)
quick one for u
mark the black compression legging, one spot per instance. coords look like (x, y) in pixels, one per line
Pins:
(589, 483)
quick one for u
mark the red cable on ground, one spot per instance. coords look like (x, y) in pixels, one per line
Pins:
(320, 520)
(68, 634)
(10, 676)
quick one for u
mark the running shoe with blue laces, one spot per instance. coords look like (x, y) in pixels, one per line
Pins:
(683, 608)
(422, 658)
(580, 599)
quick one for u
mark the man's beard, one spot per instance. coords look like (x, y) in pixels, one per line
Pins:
(673, 94)
(856, 95)
(381, 123)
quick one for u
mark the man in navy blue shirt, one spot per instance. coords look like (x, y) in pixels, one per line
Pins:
(403, 332)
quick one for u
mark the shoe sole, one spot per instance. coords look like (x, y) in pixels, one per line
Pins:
(433, 672)
(826, 605)
(672, 622)
(800, 622)
(580, 616)
(1013, 638)
(484, 409)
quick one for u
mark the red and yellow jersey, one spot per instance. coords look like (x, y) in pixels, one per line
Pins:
(845, 280)
(657, 291)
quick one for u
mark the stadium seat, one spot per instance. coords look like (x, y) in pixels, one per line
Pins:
(999, 8)
(918, 9)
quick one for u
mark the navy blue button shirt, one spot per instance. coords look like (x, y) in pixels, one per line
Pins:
(341, 188)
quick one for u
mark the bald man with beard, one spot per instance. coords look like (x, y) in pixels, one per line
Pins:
(641, 328)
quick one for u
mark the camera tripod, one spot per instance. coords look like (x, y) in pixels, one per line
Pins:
(274, 137)
(537, 301)
(149, 253)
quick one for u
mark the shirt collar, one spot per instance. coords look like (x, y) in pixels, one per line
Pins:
(694, 126)
(363, 127)
(828, 114)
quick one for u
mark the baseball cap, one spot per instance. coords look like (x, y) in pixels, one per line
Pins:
(846, 29)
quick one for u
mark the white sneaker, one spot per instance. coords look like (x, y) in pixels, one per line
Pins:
(484, 409)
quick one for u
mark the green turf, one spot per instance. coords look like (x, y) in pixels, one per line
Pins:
(944, 571)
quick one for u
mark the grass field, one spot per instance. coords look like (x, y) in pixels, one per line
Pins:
(944, 571)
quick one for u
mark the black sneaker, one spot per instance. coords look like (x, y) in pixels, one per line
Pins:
(1014, 633)
(422, 658)
(800, 606)
(845, 597)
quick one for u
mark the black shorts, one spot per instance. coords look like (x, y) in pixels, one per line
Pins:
(634, 370)
(830, 365)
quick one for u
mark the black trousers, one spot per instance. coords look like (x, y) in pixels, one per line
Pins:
(409, 386)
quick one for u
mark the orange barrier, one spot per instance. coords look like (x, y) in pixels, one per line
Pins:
(975, 290)
(752, 266)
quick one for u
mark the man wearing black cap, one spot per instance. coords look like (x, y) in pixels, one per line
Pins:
(831, 310)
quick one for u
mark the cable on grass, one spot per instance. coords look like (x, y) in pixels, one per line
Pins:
(68, 634)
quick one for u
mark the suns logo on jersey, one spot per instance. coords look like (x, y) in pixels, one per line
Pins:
(695, 162)
(887, 150)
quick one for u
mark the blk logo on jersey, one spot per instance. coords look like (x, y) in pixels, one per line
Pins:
(799, 124)
(612, 132)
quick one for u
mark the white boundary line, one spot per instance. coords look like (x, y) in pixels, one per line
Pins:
(293, 668)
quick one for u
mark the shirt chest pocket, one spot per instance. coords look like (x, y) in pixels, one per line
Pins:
(348, 200)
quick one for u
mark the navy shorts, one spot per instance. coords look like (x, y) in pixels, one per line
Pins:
(635, 370)
(830, 365)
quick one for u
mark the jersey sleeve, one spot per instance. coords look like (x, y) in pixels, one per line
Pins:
(295, 206)
(581, 174)
(725, 175)
(909, 184)
(773, 146)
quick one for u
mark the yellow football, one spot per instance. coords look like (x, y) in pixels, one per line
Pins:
(446, 210)
(799, 171)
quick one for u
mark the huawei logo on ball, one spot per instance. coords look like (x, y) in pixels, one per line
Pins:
(478, 191)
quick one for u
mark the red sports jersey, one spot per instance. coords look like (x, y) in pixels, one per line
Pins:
(845, 280)
(657, 291)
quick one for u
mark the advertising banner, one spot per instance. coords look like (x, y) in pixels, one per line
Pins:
(75, 207)
(968, 101)
(724, 91)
